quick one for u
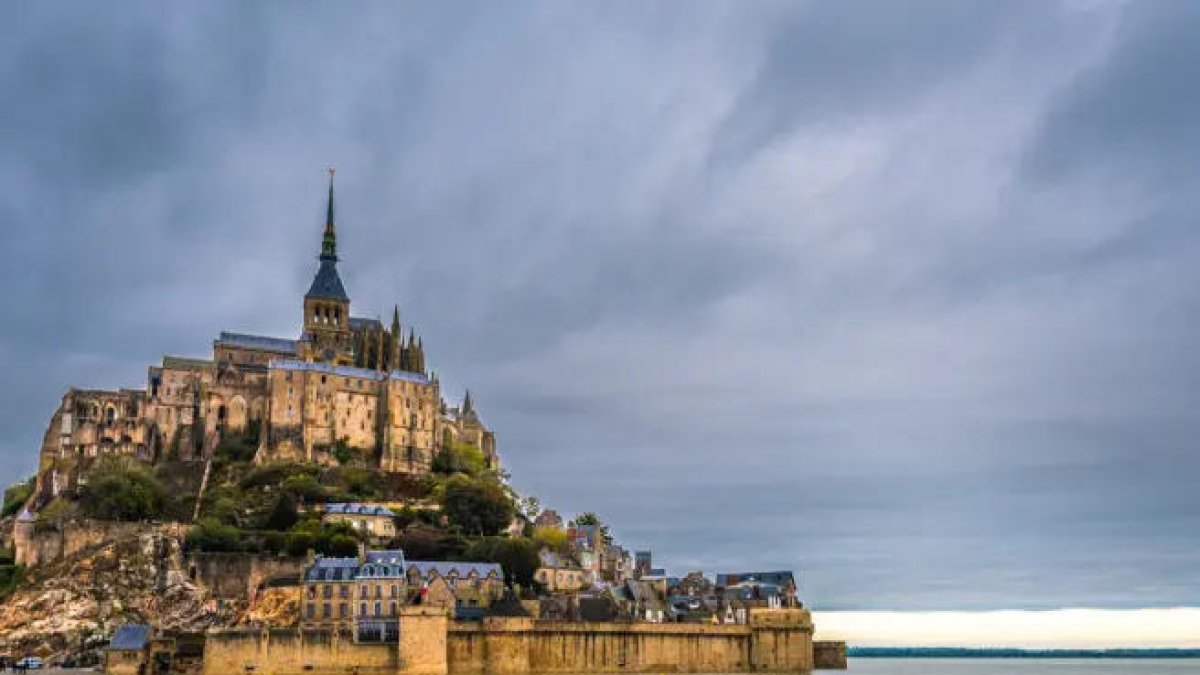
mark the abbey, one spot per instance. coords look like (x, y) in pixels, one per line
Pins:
(347, 386)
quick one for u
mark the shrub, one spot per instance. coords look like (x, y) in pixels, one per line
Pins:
(213, 535)
(299, 543)
(553, 538)
(460, 458)
(16, 495)
(283, 515)
(121, 490)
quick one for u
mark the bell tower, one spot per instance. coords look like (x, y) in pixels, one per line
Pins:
(327, 335)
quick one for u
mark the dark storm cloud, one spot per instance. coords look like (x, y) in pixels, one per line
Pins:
(900, 297)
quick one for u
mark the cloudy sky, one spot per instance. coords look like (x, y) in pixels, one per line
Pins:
(902, 296)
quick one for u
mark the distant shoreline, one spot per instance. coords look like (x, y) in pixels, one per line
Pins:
(969, 653)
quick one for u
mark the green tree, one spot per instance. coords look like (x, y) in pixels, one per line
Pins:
(210, 534)
(283, 515)
(16, 495)
(553, 538)
(460, 458)
(119, 489)
(305, 487)
(518, 557)
(587, 518)
(476, 507)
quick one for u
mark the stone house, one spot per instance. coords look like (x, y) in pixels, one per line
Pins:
(377, 522)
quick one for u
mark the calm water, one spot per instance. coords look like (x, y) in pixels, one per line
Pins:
(862, 666)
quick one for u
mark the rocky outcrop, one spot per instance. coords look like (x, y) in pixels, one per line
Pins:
(71, 606)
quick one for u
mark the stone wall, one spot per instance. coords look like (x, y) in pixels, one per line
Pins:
(829, 655)
(238, 576)
(33, 547)
(295, 651)
(775, 641)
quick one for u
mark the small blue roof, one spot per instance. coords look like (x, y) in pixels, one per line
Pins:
(332, 569)
(130, 636)
(25, 516)
(357, 509)
(259, 342)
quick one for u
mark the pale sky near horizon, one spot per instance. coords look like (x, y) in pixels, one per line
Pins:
(1176, 628)
(902, 296)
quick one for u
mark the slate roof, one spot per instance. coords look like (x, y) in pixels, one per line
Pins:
(357, 509)
(184, 363)
(386, 564)
(782, 578)
(133, 636)
(391, 563)
(332, 569)
(271, 344)
(424, 567)
(360, 322)
(327, 285)
(346, 371)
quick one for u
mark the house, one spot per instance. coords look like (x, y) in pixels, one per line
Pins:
(560, 574)
(549, 518)
(378, 522)
(367, 591)
(694, 584)
(645, 602)
(760, 589)
(128, 653)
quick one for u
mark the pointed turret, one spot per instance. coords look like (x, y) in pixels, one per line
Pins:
(395, 337)
(329, 240)
(468, 407)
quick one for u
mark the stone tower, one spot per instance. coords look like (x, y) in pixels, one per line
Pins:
(327, 335)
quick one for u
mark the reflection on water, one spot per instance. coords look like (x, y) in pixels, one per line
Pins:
(862, 666)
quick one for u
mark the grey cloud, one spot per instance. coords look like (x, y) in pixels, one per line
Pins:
(825, 286)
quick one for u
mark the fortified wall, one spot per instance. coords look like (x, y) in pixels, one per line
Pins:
(775, 641)
(33, 547)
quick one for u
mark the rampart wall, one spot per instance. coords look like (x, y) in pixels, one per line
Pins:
(775, 641)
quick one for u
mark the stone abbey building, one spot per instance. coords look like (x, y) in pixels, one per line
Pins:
(346, 383)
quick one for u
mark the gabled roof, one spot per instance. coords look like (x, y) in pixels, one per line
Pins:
(263, 342)
(132, 636)
(327, 285)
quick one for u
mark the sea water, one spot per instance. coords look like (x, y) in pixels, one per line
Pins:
(916, 666)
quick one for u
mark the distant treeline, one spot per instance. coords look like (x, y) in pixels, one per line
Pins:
(968, 653)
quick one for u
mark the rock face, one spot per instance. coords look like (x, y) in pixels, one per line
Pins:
(71, 606)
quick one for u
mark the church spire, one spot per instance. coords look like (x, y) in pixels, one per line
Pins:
(329, 240)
